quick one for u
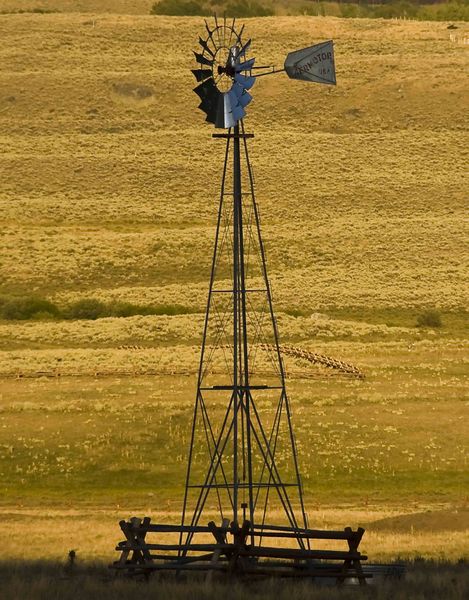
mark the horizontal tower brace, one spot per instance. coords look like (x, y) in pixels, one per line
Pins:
(243, 485)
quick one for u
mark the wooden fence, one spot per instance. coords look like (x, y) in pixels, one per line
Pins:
(239, 551)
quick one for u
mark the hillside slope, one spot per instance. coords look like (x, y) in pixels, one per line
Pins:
(110, 176)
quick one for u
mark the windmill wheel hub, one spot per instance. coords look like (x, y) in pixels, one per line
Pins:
(226, 70)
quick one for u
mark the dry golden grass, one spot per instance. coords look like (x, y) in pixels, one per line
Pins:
(94, 533)
(126, 7)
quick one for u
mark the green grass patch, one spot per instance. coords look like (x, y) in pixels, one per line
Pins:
(233, 8)
(456, 10)
(23, 308)
(179, 8)
(20, 308)
(93, 441)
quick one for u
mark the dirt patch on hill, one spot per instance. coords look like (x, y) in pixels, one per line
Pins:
(133, 92)
(441, 520)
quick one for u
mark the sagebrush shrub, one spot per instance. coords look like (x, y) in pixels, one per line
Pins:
(22, 308)
(429, 318)
(88, 308)
(179, 8)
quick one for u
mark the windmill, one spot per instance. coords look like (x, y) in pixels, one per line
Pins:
(242, 463)
(243, 466)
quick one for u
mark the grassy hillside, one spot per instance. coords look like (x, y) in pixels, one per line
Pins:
(360, 186)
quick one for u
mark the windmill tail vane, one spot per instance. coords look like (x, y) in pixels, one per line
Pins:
(242, 468)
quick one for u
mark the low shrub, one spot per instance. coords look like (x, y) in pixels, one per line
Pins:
(188, 8)
(296, 312)
(91, 308)
(455, 10)
(26, 11)
(179, 8)
(429, 318)
(27, 307)
(248, 8)
(126, 309)
(88, 308)
(23, 308)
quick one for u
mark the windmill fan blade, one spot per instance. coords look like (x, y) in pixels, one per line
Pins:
(246, 82)
(237, 109)
(201, 74)
(238, 113)
(210, 31)
(206, 89)
(200, 58)
(238, 89)
(245, 99)
(231, 56)
(206, 47)
(224, 119)
(209, 104)
(244, 49)
(210, 95)
(245, 66)
(210, 111)
(233, 98)
(220, 118)
(229, 121)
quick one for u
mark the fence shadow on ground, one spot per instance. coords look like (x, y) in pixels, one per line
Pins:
(74, 578)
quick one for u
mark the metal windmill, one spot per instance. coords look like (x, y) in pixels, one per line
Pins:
(242, 465)
(241, 462)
